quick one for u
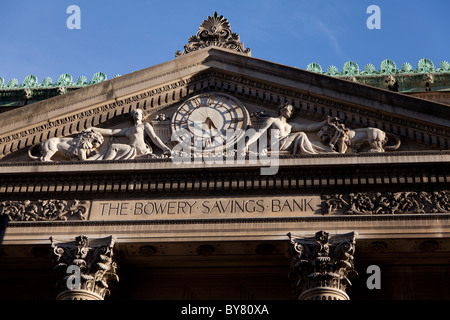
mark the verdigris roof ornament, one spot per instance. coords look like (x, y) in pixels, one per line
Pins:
(81, 81)
(98, 77)
(444, 66)
(47, 82)
(332, 71)
(388, 67)
(369, 69)
(64, 80)
(406, 68)
(350, 68)
(314, 67)
(425, 65)
(30, 81)
(215, 31)
(13, 83)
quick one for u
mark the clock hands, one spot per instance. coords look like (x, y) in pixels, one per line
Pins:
(211, 120)
(211, 127)
(210, 123)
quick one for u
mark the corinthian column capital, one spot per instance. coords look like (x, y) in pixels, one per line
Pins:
(84, 268)
(322, 265)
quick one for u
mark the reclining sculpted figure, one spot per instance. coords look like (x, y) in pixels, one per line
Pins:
(136, 145)
(290, 136)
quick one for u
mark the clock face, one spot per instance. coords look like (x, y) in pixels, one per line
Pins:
(210, 119)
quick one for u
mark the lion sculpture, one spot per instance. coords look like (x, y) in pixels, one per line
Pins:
(340, 138)
(80, 147)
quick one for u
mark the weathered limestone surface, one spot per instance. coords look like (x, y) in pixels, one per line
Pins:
(161, 212)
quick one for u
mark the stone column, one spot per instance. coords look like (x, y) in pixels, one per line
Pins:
(84, 268)
(322, 265)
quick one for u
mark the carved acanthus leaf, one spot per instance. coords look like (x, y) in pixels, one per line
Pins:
(94, 258)
(322, 261)
(387, 203)
(44, 210)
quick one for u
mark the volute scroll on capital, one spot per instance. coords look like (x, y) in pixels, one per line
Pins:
(322, 265)
(96, 264)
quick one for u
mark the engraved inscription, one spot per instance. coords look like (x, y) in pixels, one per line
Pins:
(206, 208)
(146, 208)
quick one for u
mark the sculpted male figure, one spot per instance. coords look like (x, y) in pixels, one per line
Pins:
(136, 137)
(290, 136)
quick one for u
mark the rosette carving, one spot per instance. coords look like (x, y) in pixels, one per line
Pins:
(44, 210)
(387, 203)
(214, 31)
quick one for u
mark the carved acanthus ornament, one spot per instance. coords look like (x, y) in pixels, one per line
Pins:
(387, 203)
(322, 265)
(97, 269)
(44, 210)
(215, 31)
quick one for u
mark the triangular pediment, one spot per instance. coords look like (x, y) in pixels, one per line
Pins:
(261, 86)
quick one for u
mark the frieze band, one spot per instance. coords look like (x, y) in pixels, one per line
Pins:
(44, 210)
(369, 203)
(387, 203)
(206, 208)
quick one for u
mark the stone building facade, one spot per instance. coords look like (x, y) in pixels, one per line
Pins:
(218, 175)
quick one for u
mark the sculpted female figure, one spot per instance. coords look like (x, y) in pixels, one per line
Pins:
(289, 136)
(136, 137)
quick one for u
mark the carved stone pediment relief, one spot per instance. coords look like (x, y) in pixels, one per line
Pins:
(214, 123)
(261, 98)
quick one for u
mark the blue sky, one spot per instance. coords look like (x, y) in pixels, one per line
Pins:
(118, 37)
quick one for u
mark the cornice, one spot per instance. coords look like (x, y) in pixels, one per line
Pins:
(327, 86)
(112, 91)
(420, 226)
(312, 175)
(334, 104)
(284, 161)
(318, 218)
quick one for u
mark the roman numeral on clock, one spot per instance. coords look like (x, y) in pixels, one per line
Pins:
(181, 123)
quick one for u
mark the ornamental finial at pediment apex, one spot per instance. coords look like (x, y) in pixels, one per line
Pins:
(215, 31)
